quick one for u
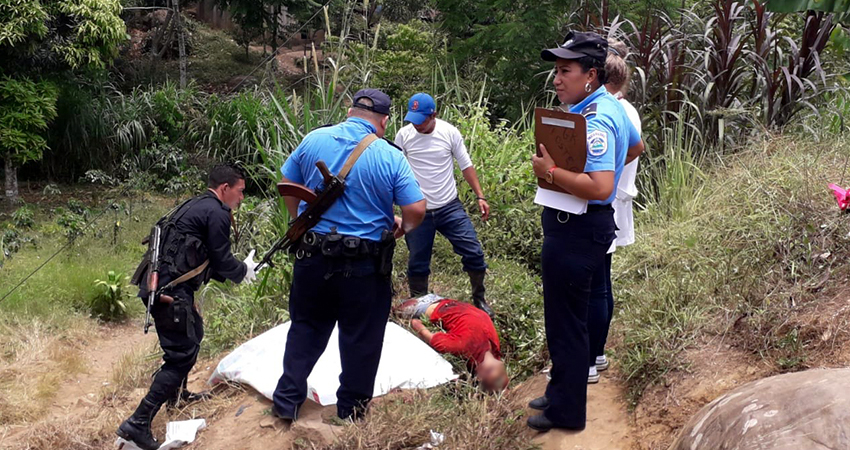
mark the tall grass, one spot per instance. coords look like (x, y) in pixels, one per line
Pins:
(737, 258)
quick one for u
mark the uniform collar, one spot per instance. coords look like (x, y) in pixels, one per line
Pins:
(212, 194)
(577, 108)
(360, 121)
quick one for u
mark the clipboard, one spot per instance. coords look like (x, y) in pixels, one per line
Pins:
(565, 137)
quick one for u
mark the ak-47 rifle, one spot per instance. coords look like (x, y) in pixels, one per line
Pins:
(153, 276)
(317, 203)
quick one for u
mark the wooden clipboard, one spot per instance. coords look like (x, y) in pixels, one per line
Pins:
(565, 137)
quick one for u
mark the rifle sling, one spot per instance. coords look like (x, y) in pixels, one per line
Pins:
(367, 141)
(186, 276)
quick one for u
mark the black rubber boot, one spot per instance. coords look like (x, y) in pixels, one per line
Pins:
(476, 279)
(418, 285)
(137, 429)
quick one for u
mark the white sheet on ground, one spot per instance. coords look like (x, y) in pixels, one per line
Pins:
(406, 363)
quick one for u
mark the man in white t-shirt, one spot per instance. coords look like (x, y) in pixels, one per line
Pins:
(431, 146)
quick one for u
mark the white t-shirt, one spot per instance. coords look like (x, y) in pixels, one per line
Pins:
(626, 190)
(431, 158)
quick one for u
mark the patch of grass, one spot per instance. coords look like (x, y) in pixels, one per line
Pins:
(38, 355)
(66, 284)
(740, 259)
(132, 371)
(466, 417)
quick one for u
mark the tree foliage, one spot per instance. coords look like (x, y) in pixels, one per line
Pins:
(57, 35)
(26, 109)
(43, 42)
(503, 39)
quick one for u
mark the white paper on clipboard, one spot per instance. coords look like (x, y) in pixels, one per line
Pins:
(560, 201)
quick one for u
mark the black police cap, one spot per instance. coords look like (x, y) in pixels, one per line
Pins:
(380, 102)
(578, 45)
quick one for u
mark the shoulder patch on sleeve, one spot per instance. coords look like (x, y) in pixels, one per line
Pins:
(597, 142)
(393, 144)
(589, 110)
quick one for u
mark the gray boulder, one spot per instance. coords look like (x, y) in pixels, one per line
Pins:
(795, 411)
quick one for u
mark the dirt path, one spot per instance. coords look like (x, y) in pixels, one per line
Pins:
(240, 419)
(102, 355)
(101, 352)
(608, 426)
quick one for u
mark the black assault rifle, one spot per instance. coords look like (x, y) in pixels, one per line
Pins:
(153, 276)
(317, 203)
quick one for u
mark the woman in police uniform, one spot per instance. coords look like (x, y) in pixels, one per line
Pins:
(574, 245)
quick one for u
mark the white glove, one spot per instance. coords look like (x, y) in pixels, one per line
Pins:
(250, 266)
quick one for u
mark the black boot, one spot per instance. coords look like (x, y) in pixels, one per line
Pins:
(418, 285)
(476, 279)
(184, 396)
(137, 429)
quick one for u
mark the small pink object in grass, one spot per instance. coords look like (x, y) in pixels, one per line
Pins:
(841, 195)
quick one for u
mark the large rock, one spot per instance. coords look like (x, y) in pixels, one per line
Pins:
(795, 411)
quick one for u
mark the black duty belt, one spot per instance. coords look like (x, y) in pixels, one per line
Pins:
(335, 245)
(596, 208)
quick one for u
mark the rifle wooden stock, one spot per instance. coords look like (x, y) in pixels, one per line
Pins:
(296, 190)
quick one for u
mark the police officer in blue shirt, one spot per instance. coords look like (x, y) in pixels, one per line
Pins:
(337, 277)
(574, 245)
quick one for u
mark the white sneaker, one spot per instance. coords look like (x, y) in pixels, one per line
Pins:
(592, 375)
(601, 363)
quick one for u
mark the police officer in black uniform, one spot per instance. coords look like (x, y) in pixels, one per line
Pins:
(342, 271)
(194, 234)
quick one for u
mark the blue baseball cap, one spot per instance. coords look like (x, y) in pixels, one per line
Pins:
(420, 107)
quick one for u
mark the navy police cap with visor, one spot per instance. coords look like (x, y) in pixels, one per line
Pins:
(380, 102)
(578, 45)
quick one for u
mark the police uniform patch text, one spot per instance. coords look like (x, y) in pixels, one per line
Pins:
(597, 142)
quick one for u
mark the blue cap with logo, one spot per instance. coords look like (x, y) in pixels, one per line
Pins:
(419, 108)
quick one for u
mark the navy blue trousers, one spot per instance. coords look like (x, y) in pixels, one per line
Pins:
(601, 309)
(574, 247)
(180, 342)
(326, 291)
(454, 223)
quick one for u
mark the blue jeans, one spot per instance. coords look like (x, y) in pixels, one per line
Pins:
(454, 224)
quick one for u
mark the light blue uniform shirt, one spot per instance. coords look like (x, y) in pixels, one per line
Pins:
(610, 133)
(379, 178)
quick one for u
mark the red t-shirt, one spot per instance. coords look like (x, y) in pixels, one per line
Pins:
(469, 332)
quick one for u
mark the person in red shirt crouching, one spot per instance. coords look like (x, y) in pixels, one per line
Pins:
(469, 334)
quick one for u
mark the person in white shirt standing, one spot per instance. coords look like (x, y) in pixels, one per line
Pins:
(601, 307)
(431, 146)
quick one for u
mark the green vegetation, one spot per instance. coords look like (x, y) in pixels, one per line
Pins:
(66, 286)
(744, 113)
(110, 302)
(43, 43)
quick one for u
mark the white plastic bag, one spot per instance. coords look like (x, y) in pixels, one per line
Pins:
(406, 363)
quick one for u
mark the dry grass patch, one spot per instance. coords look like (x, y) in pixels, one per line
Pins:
(132, 371)
(36, 360)
(468, 418)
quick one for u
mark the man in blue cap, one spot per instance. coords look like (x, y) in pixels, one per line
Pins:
(431, 146)
(342, 270)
